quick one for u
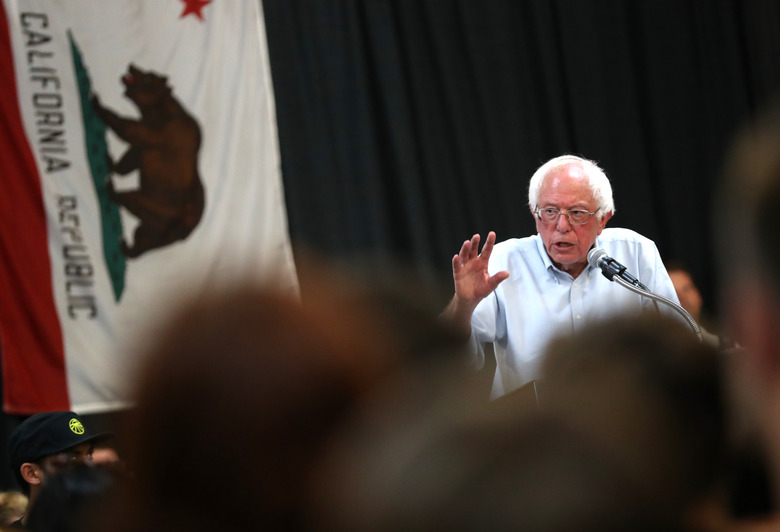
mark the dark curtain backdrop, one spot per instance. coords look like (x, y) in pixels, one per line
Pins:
(408, 125)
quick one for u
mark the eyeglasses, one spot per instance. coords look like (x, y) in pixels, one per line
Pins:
(550, 215)
(58, 460)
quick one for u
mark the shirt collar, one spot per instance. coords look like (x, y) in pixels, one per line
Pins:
(548, 265)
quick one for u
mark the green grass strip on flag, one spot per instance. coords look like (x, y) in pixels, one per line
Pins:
(97, 153)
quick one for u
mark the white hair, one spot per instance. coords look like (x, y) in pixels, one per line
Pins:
(597, 181)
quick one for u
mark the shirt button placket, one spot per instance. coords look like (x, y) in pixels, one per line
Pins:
(577, 307)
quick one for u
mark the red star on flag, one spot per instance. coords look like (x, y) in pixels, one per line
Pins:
(194, 7)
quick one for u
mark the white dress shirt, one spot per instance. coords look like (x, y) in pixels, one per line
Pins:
(539, 301)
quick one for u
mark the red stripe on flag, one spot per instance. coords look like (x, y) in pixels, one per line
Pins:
(31, 345)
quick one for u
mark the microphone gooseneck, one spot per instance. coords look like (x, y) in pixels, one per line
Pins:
(616, 272)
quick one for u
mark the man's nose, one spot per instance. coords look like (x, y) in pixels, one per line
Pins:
(563, 224)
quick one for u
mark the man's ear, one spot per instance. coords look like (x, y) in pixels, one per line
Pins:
(604, 220)
(31, 473)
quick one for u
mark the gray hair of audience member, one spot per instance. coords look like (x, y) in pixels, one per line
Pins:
(597, 180)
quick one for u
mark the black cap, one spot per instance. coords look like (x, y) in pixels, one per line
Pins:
(48, 433)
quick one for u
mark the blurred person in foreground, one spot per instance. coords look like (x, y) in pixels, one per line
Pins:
(653, 395)
(628, 434)
(242, 388)
(42, 444)
(71, 498)
(522, 292)
(750, 248)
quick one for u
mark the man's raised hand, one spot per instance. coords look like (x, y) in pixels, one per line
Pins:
(470, 271)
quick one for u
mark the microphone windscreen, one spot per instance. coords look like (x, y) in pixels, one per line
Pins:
(595, 255)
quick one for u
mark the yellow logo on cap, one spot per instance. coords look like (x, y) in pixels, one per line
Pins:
(76, 426)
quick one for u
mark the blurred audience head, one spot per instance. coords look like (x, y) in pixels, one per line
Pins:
(484, 466)
(628, 434)
(530, 472)
(242, 388)
(653, 395)
(744, 224)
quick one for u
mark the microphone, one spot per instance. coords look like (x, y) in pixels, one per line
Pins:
(598, 258)
(614, 271)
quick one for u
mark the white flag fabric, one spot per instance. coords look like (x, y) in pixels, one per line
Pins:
(139, 163)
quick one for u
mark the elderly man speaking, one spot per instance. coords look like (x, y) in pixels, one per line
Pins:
(520, 293)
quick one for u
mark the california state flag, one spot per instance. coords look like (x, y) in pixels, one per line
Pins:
(138, 163)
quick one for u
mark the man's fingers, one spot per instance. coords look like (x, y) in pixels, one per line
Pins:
(470, 249)
(475, 246)
(497, 279)
(487, 249)
(465, 251)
